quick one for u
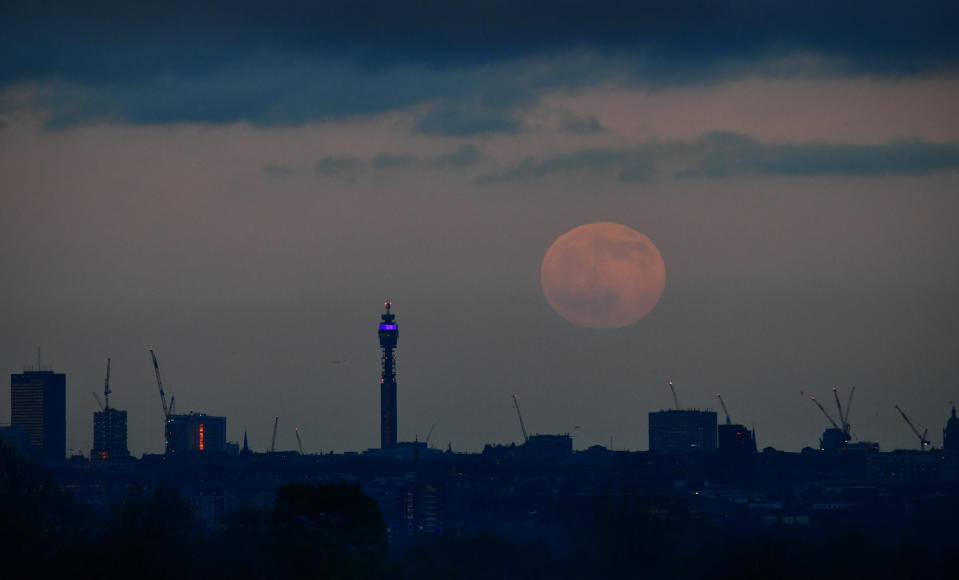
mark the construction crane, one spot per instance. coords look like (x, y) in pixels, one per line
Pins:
(276, 421)
(99, 402)
(849, 404)
(923, 442)
(843, 419)
(675, 398)
(106, 386)
(721, 402)
(433, 426)
(156, 369)
(520, 415)
(299, 442)
(826, 413)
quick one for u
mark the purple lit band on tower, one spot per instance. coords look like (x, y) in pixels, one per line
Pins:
(388, 333)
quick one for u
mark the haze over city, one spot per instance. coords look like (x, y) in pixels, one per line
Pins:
(242, 189)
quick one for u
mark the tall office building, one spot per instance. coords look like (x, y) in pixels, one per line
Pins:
(109, 435)
(195, 432)
(388, 333)
(682, 431)
(38, 403)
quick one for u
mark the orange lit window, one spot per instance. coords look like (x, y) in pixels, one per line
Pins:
(201, 442)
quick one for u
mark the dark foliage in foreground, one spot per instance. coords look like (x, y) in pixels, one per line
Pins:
(337, 532)
(323, 531)
(629, 541)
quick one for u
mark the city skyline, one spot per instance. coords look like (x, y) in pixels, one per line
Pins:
(243, 201)
(935, 441)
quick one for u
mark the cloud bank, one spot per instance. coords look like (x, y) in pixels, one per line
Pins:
(722, 154)
(295, 61)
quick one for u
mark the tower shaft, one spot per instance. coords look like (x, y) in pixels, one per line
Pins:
(388, 334)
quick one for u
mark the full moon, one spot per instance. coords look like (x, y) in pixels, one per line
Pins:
(603, 275)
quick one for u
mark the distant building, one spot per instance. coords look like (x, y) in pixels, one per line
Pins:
(736, 458)
(539, 447)
(833, 440)
(950, 435)
(109, 435)
(195, 432)
(245, 451)
(676, 431)
(38, 404)
(547, 447)
(17, 438)
(735, 438)
(422, 508)
(910, 467)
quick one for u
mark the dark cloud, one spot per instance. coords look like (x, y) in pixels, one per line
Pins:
(576, 124)
(637, 163)
(462, 119)
(724, 154)
(293, 61)
(55, 36)
(466, 155)
(388, 160)
(350, 167)
(340, 167)
(731, 153)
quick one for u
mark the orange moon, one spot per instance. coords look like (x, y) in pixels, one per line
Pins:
(603, 275)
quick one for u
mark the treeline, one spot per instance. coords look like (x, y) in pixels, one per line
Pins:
(312, 531)
(337, 532)
(628, 541)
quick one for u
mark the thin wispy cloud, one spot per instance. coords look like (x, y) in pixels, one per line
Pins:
(339, 167)
(350, 167)
(723, 154)
(579, 125)
(465, 156)
(734, 154)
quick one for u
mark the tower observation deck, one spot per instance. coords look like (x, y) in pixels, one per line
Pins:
(388, 332)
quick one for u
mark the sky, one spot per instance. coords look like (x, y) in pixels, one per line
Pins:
(241, 185)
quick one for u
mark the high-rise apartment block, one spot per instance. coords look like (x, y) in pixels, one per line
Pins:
(109, 435)
(195, 432)
(682, 431)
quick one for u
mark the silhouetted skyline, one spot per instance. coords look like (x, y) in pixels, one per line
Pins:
(244, 201)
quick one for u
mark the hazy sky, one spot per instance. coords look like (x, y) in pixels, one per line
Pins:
(240, 187)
